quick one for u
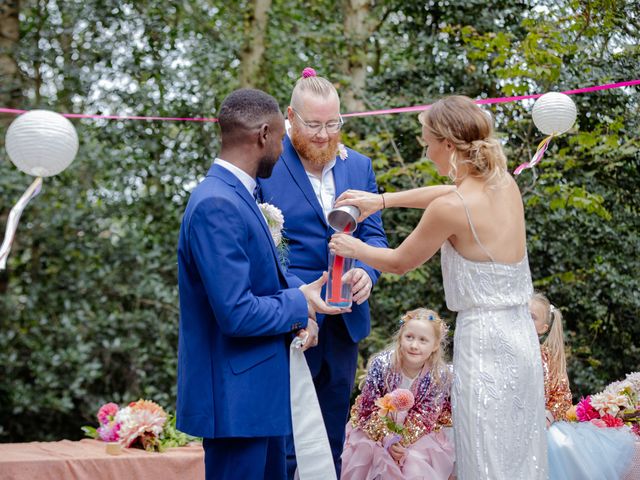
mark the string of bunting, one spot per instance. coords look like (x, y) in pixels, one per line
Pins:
(416, 108)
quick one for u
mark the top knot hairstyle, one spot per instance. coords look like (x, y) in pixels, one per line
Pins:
(458, 120)
(245, 109)
(311, 83)
(309, 72)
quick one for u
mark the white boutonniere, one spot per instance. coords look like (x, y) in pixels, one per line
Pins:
(342, 151)
(275, 222)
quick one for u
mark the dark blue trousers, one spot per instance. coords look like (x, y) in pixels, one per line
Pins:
(333, 366)
(245, 458)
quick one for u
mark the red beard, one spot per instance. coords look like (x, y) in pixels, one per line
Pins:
(317, 157)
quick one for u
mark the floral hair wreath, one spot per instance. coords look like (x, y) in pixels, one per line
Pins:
(431, 317)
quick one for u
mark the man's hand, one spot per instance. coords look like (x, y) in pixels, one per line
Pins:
(361, 284)
(311, 331)
(313, 293)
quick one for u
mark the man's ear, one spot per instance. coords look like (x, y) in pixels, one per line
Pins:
(263, 133)
(290, 114)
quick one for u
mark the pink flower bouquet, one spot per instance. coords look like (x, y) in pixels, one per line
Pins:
(616, 406)
(142, 424)
(394, 406)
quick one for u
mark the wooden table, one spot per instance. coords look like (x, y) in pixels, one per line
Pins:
(89, 460)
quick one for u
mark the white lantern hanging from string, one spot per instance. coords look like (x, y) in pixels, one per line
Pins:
(553, 113)
(42, 144)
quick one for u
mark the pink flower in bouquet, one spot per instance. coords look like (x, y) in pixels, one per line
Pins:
(585, 412)
(385, 404)
(109, 432)
(612, 421)
(107, 413)
(598, 422)
(636, 429)
(143, 419)
(402, 399)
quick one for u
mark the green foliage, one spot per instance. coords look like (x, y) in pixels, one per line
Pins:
(89, 303)
(172, 437)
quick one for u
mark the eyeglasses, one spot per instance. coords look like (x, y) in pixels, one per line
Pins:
(334, 126)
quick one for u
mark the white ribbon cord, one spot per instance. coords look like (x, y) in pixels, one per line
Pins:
(313, 453)
(14, 218)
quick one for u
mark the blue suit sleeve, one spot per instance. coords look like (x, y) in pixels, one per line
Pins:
(293, 280)
(219, 241)
(371, 230)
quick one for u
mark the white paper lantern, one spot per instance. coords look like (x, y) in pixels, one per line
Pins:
(554, 113)
(41, 143)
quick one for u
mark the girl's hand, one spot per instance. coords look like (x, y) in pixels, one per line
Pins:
(367, 202)
(549, 417)
(344, 245)
(398, 453)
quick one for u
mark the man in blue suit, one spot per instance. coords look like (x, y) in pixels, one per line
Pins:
(237, 309)
(304, 185)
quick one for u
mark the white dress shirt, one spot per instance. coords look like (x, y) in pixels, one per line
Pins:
(324, 187)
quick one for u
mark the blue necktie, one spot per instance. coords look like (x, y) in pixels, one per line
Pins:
(257, 193)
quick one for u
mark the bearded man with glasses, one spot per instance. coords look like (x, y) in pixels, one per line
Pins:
(312, 173)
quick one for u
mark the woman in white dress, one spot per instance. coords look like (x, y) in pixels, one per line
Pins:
(478, 224)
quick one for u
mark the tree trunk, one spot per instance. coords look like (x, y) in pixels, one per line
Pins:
(10, 91)
(357, 30)
(254, 45)
(10, 88)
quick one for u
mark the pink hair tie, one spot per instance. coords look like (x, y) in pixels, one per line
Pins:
(309, 72)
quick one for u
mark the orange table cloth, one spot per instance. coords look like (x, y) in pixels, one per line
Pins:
(88, 459)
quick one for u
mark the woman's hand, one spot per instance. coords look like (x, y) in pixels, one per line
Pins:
(344, 245)
(367, 202)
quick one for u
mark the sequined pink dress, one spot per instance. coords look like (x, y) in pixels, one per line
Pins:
(430, 453)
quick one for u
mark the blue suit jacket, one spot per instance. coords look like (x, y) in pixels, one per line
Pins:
(306, 228)
(236, 309)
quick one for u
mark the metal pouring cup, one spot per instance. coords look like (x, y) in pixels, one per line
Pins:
(344, 219)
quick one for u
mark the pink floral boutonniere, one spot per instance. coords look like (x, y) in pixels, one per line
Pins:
(342, 151)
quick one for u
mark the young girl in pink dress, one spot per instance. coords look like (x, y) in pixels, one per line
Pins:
(413, 362)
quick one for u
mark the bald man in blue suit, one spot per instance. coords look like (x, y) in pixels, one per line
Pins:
(238, 310)
(304, 185)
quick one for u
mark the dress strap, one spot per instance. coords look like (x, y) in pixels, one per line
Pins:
(473, 230)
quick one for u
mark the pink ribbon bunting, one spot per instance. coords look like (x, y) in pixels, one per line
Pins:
(416, 108)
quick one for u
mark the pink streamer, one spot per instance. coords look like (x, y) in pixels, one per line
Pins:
(416, 108)
(488, 101)
(536, 158)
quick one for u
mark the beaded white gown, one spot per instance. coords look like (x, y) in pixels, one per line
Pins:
(498, 389)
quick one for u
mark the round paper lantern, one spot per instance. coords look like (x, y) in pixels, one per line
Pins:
(41, 143)
(554, 113)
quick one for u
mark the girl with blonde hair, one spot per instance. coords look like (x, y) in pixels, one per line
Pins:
(478, 225)
(548, 322)
(413, 366)
(576, 450)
